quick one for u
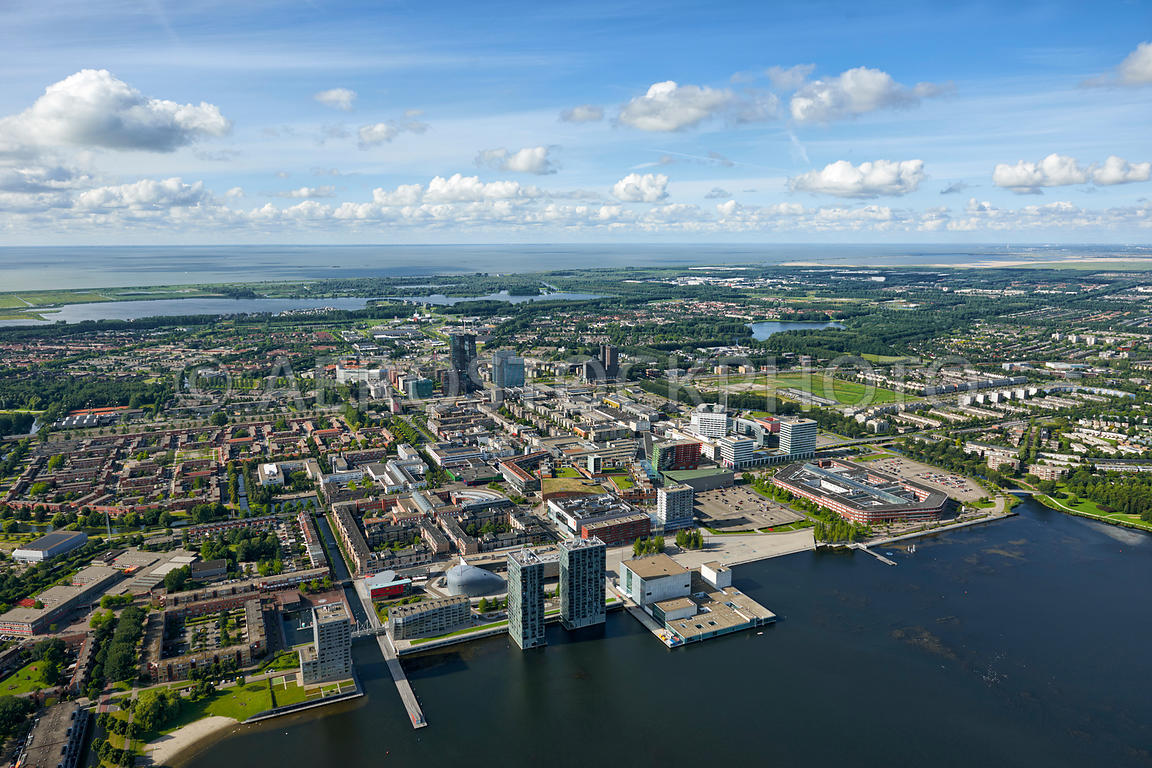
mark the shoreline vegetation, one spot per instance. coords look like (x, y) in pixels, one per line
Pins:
(1111, 519)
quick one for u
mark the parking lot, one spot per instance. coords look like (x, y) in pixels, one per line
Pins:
(956, 486)
(741, 509)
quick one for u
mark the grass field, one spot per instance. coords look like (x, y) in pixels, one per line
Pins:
(237, 702)
(889, 359)
(41, 298)
(285, 691)
(193, 454)
(1084, 505)
(25, 680)
(872, 457)
(569, 472)
(796, 526)
(1062, 501)
(623, 482)
(844, 392)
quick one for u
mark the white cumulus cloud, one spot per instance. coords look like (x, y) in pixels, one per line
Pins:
(527, 160)
(146, 194)
(1053, 171)
(1116, 170)
(459, 188)
(875, 179)
(641, 188)
(1136, 69)
(337, 98)
(668, 106)
(1058, 170)
(856, 92)
(585, 113)
(94, 109)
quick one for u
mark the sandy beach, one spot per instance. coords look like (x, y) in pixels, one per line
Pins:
(162, 750)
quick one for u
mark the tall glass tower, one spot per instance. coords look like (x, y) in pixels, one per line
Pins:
(581, 582)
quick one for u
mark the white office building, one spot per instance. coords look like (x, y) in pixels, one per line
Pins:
(737, 452)
(709, 423)
(798, 437)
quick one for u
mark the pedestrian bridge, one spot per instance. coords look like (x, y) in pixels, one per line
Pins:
(365, 629)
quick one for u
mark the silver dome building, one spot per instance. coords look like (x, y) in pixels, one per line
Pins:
(470, 581)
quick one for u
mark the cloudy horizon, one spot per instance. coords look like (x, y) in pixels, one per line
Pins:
(282, 122)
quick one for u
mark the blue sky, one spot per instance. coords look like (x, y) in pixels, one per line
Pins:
(224, 122)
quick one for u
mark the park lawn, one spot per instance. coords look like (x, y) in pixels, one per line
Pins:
(1091, 508)
(286, 692)
(1130, 520)
(1086, 505)
(25, 680)
(241, 702)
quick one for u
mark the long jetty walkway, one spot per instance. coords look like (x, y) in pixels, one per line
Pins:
(877, 555)
(403, 687)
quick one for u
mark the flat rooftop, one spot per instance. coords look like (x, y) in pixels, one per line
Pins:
(50, 735)
(654, 566)
(718, 611)
(54, 539)
(675, 604)
(62, 593)
(860, 487)
(587, 543)
(336, 611)
(414, 609)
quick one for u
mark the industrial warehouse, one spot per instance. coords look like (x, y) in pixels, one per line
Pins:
(861, 494)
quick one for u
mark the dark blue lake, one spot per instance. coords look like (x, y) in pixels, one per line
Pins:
(1019, 643)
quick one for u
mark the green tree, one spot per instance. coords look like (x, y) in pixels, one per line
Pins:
(50, 673)
(13, 711)
(154, 708)
(176, 579)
